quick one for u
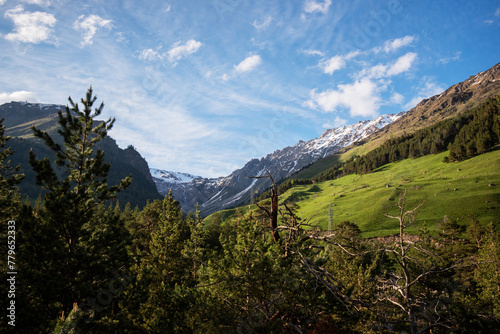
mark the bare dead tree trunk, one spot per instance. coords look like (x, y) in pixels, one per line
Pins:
(273, 212)
(405, 218)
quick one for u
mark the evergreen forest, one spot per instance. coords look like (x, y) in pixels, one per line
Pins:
(86, 264)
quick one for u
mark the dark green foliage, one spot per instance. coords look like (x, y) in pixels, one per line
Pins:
(71, 246)
(474, 132)
(480, 134)
(93, 265)
(160, 295)
(283, 186)
(123, 162)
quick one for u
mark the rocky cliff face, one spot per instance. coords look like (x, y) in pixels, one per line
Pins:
(459, 97)
(20, 116)
(225, 192)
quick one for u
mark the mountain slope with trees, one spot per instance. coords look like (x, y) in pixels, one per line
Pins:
(84, 266)
(455, 100)
(19, 117)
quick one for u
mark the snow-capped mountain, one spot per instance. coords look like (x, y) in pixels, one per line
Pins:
(219, 193)
(172, 177)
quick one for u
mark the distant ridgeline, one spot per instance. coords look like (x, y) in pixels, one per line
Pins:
(21, 116)
(471, 133)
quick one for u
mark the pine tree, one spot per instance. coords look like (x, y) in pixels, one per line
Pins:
(163, 275)
(81, 242)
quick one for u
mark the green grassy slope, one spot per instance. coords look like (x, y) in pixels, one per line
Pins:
(457, 190)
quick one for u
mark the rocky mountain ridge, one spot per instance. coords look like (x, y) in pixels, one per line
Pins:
(213, 194)
(457, 98)
(225, 192)
(19, 117)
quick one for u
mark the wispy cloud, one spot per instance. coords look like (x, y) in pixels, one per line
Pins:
(21, 95)
(393, 45)
(333, 64)
(336, 63)
(447, 60)
(31, 27)
(2, 2)
(89, 26)
(178, 50)
(428, 87)
(150, 54)
(310, 52)
(397, 98)
(401, 65)
(262, 25)
(249, 64)
(337, 123)
(37, 2)
(313, 6)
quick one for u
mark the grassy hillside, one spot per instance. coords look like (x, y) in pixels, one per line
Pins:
(457, 190)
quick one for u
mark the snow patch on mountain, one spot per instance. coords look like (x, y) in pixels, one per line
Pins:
(223, 192)
(160, 175)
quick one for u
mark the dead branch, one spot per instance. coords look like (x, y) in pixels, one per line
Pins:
(273, 213)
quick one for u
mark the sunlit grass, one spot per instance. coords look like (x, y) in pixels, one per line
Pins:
(457, 190)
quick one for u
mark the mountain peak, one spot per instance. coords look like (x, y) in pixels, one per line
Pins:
(172, 177)
(457, 98)
(238, 188)
(223, 192)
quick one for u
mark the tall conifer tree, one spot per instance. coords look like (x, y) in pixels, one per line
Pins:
(83, 245)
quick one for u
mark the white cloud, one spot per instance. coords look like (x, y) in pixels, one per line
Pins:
(395, 44)
(337, 123)
(38, 2)
(2, 2)
(249, 64)
(21, 95)
(497, 12)
(264, 25)
(150, 54)
(313, 6)
(89, 26)
(446, 60)
(402, 64)
(361, 98)
(178, 50)
(397, 98)
(32, 27)
(336, 63)
(313, 52)
(333, 64)
(427, 89)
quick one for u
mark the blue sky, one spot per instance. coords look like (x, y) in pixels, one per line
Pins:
(203, 86)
